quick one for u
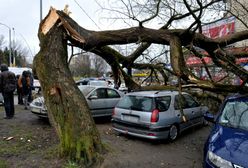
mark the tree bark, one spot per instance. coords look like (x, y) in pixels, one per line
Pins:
(67, 108)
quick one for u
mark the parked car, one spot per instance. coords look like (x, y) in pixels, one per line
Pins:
(156, 114)
(227, 144)
(91, 82)
(1, 99)
(123, 88)
(101, 101)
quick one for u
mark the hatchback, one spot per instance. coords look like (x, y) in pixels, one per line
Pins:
(156, 114)
(227, 144)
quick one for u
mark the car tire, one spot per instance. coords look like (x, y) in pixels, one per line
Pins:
(173, 133)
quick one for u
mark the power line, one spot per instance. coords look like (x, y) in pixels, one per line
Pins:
(87, 14)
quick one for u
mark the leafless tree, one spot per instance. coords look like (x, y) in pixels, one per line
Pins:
(99, 65)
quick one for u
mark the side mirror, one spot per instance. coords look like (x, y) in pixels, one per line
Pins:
(209, 117)
(92, 97)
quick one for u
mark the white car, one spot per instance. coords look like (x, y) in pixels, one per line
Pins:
(1, 99)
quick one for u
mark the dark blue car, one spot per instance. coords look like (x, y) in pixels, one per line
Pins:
(227, 144)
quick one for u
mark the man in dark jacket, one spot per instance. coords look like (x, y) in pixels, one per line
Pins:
(7, 87)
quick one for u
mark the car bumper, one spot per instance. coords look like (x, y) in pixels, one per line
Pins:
(140, 131)
(39, 112)
(207, 164)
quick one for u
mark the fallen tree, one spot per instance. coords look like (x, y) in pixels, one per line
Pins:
(68, 110)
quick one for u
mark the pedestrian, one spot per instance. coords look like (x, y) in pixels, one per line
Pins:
(30, 96)
(19, 91)
(24, 84)
(7, 88)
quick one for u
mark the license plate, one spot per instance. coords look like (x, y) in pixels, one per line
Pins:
(37, 110)
(130, 118)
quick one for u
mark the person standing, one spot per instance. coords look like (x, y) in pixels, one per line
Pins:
(7, 88)
(24, 84)
(30, 96)
(19, 91)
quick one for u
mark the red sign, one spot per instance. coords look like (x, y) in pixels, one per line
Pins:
(193, 60)
(220, 28)
(196, 61)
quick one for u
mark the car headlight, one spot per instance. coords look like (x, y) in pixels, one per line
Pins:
(218, 161)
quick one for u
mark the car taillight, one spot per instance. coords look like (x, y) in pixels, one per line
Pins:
(113, 112)
(155, 116)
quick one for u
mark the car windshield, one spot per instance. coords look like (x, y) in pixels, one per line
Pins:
(138, 103)
(235, 114)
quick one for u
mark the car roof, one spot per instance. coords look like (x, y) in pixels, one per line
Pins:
(94, 87)
(236, 96)
(154, 93)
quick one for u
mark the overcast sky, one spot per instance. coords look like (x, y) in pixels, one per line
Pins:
(24, 17)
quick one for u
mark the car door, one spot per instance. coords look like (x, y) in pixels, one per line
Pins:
(102, 101)
(186, 111)
(96, 101)
(112, 99)
(194, 108)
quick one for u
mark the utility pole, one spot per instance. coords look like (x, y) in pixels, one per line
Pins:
(10, 48)
(14, 49)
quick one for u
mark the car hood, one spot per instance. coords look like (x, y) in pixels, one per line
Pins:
(230, 144)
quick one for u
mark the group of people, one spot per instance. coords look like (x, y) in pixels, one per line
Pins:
(9, 82)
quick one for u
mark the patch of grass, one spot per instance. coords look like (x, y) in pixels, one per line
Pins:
(3, 164)
(71, 164)
(51, 152)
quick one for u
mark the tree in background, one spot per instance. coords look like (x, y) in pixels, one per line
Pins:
(99, 66)
(87, 65)
(17, 51)
(80, 65)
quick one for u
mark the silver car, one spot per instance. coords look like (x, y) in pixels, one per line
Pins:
(1, 99)
(156, 114)
(101, 101)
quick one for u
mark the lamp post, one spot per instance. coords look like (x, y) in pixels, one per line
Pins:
(9, 42)
(40, 10)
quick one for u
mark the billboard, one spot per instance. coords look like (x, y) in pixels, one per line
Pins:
(220, 28)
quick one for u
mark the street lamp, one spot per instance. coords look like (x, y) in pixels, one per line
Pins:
(9, 42)
(40, 10)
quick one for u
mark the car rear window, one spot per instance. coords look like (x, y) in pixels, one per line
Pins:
(138, 103)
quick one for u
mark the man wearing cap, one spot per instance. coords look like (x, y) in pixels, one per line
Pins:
(7, 88)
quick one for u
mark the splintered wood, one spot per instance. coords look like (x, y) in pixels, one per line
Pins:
(52, 18)
(50, 21)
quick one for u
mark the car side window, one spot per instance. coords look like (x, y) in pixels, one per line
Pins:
(190, 101)
(100, 93)
(112, 93)
(163, 103)
(177, 104)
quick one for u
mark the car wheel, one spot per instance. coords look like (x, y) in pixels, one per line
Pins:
(173, 133)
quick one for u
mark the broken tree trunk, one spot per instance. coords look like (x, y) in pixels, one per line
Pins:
(67, 107)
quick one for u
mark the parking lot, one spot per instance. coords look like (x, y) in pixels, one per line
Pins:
(186, 151)
(124, 151)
